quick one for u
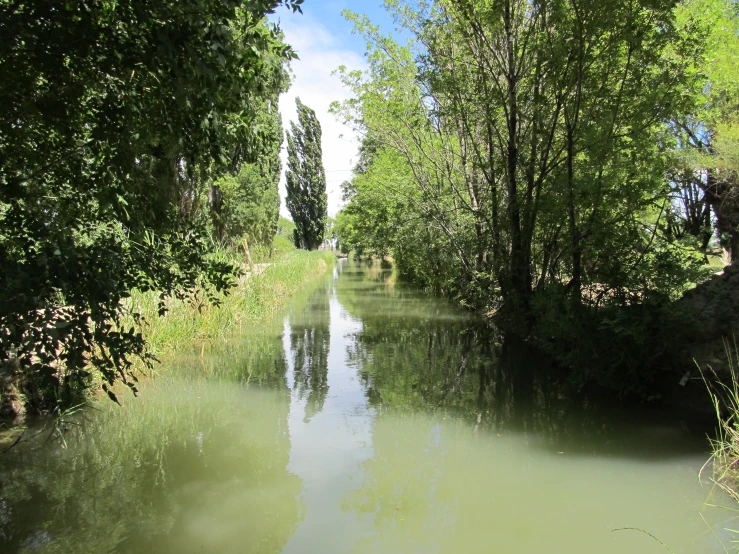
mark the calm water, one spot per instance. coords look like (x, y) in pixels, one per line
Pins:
(368, 418)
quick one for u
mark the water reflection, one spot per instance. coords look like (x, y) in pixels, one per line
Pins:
(309, 348)
(370, 418)
(330, 443)
(479, 445)
(413, 353)
(190, 467)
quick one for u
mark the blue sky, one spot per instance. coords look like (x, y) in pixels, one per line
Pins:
(324, 41)
(328, 13)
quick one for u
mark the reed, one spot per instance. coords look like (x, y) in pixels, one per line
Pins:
(724, 393)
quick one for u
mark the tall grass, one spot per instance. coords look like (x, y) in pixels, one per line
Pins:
(725, 396)
(259, 293)
(724, 462)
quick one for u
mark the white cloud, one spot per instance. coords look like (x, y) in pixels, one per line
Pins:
(312, 81)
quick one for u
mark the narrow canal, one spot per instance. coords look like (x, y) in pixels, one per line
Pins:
(369, 418)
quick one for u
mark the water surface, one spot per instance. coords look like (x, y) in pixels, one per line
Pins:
(370, 418)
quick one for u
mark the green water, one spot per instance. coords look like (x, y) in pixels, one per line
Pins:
(369, 417)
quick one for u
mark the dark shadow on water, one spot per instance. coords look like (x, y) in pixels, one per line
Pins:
(416, 352)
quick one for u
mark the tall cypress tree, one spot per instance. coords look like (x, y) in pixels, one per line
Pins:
(306, 178)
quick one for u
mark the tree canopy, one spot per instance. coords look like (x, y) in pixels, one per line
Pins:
(113, 117)
(523, 156)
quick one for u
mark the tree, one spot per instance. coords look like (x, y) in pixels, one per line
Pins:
(513, 121)
(249, 200)
(306, 179)
(706, 132)
(114, 117)
(517, 159)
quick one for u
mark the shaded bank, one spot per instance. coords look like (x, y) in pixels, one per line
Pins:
(647, 350)
(189, 325)
(713, 307)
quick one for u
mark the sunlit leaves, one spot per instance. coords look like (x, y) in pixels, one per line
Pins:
(113, 118)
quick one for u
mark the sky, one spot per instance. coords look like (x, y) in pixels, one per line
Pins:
(323, 40)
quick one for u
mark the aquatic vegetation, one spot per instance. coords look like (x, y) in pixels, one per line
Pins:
(723, 464)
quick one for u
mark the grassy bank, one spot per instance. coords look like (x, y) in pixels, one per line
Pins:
(261, 291)
(187, 327)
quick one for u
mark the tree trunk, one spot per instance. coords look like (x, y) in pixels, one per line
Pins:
(518, 266)
(719, 194)
(576, 281)
(215, 199)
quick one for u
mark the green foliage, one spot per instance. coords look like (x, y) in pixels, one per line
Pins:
(517, 156)
(245, 204)
(306, 179)
(706, 132)
(112, 120)
(284, 239)
(251, 205)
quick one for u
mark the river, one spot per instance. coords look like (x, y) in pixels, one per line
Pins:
(370, 417)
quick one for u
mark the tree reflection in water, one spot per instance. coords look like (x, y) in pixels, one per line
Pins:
(309, 346)
(416, 353)
(479, 445)
(193, 465)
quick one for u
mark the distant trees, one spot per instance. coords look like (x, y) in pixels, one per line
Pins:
(248, 200)
(306, 179)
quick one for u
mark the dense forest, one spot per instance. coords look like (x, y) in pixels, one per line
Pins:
(569, 167)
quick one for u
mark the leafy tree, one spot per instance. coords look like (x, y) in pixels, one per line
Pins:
(376, 201)
(249, 201)
(513, 121)
(706, 132)
(306, 179)
(113, 115)
(517, 155)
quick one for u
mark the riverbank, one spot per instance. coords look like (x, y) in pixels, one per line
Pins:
(195, 323)
(724, 391)
(259, 294)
